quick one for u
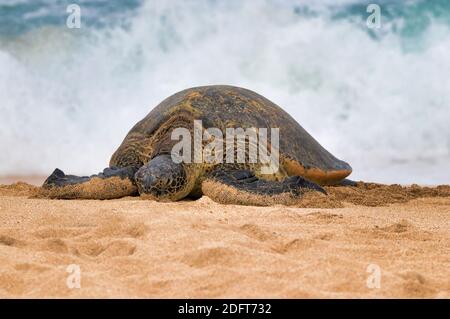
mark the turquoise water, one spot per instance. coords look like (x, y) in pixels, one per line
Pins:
(18, 17)
(377, 98)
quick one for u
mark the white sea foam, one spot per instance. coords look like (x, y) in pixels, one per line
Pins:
(68, 97)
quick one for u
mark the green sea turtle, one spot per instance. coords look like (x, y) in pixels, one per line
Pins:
(143, 164)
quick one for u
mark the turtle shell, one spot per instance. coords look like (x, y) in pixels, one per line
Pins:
(224, 107)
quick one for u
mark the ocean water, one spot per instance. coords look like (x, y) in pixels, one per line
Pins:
(377, 98)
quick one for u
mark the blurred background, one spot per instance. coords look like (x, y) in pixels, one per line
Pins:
(376, 98)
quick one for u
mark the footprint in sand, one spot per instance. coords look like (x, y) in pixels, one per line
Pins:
(11, 241)
(30, 267)
(116, 227)
(62, 232)
(415, 285)
(54, 245)
(212, 256)
(107, 240)
(278, 243)
(256, 232)
(90, 248)
(325, 217)
(119, 248)
(11, 283)
(293, 246)
(325, 236)
(402, 229)
(112, 249)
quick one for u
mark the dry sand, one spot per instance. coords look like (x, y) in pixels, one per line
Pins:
(199, 249)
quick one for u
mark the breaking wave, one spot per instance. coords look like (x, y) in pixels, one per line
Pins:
(376, 98)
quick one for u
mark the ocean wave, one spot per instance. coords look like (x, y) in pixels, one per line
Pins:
(378, 99)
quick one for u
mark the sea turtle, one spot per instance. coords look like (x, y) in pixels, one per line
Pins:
(143, 164)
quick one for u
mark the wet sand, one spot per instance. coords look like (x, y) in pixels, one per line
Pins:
(334, 246)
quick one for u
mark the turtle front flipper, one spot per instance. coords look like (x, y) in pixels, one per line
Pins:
(242, 187)
(112, 183)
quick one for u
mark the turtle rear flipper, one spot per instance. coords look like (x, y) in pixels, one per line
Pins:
(242, 187)
(112, 183)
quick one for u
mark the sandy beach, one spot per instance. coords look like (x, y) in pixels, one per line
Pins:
(200, 249)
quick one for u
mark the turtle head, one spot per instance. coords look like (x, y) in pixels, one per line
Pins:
(162, 179)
